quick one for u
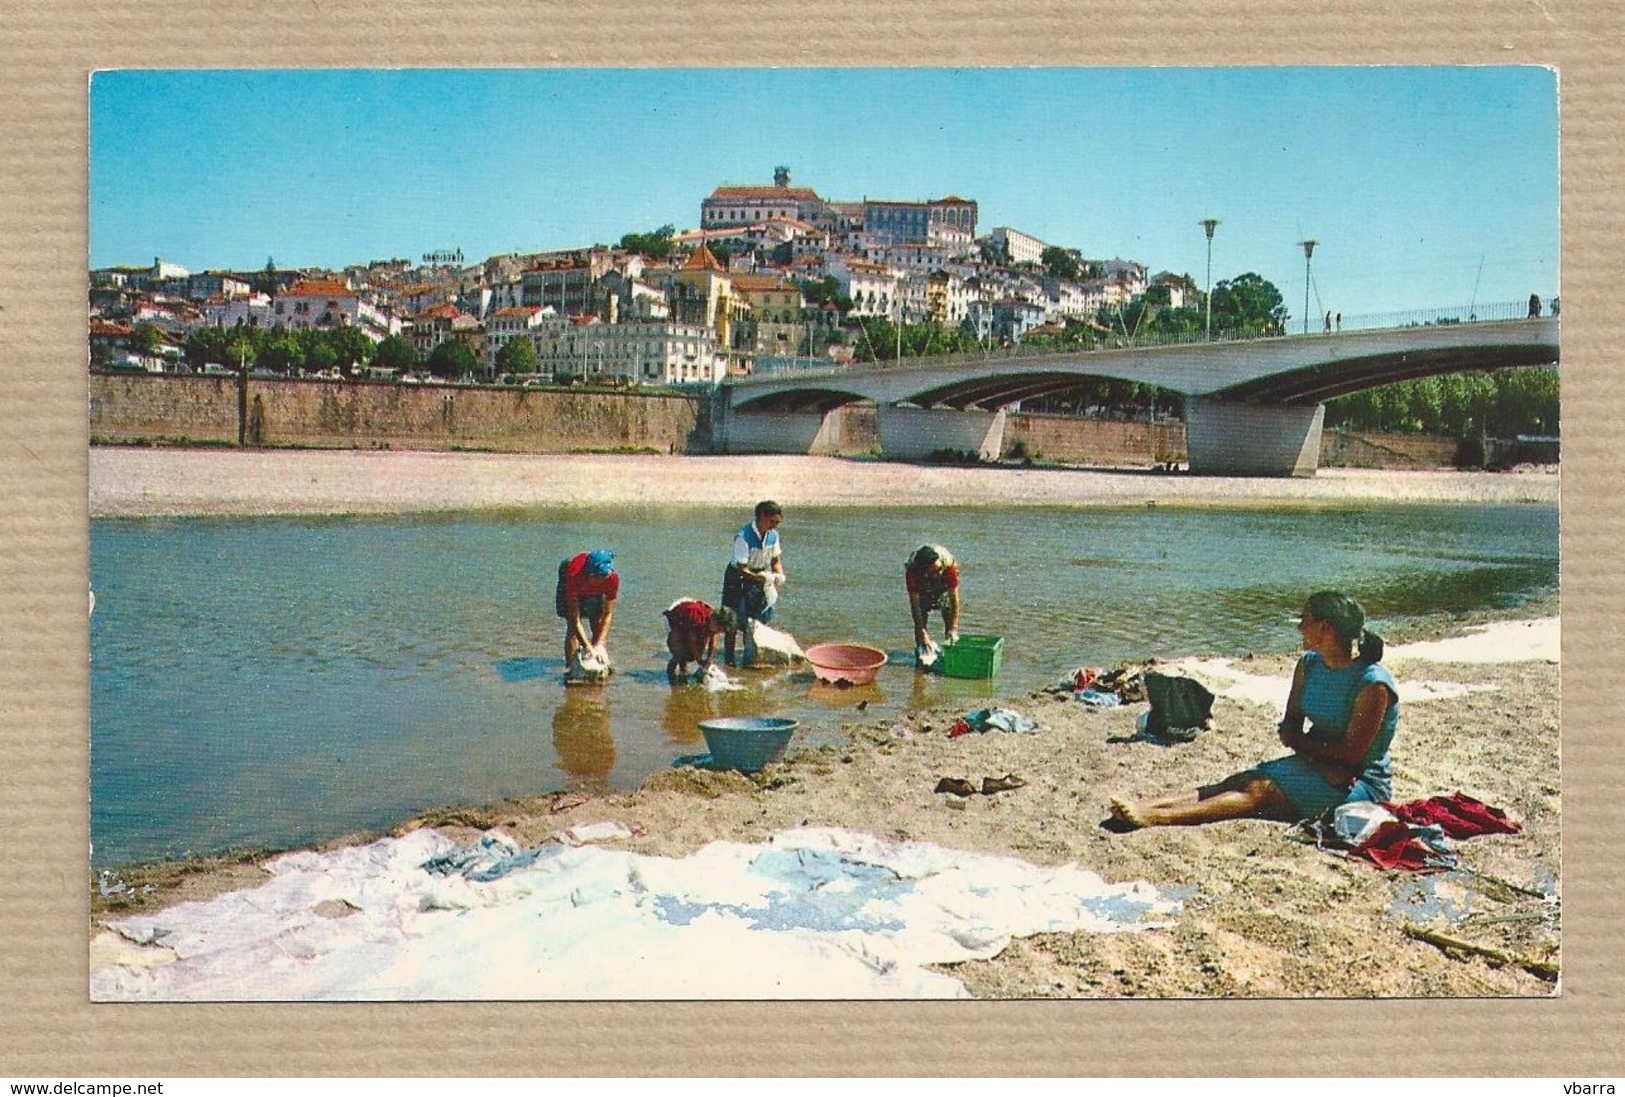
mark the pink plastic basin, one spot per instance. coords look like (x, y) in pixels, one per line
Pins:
(854, 664)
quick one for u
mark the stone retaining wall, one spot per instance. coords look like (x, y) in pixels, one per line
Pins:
(361, 415)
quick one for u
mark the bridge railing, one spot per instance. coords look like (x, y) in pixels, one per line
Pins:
(1499, 311)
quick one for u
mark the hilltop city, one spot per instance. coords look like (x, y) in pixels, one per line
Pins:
(774, 276)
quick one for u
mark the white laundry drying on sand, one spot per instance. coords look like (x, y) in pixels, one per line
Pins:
(1503, 642)
(810, 913)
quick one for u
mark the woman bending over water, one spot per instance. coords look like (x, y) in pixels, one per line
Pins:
(1352, 706)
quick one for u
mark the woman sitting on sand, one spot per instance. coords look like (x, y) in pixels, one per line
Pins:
(1353, 709)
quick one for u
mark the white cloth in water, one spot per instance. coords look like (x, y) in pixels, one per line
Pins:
(590, 665)
(766, 645)
(810, 913)
(715, 679)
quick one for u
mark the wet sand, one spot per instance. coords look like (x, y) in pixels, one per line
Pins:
(136, 482)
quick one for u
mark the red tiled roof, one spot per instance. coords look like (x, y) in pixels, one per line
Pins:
(704, 259)
(447, 311)
(314, 288)
(520, 310)
(556, 264)
(106, 327)
(764, 193)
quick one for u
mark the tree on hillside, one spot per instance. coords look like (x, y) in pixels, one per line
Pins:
(451, 360)
(281, 352)
(1248, 304)
(320, 356)
(146, 338)
(517, 356)
(205, 345)
(1059, 262)
(266, 280)
(352, 346)
(243, 351)
(397, 353)
(819, 292)
(656, 244)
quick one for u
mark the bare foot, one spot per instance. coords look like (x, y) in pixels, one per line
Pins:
(1128, 814)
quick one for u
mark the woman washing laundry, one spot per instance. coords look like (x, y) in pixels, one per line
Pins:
(1352, 707)
(691, 637)
(931, 576)
(585, 598)
(750, 585)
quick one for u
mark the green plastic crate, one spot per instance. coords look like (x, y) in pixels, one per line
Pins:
(973, 656)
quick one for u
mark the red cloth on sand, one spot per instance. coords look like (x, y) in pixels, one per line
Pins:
(1459, 816)
(1391, 846)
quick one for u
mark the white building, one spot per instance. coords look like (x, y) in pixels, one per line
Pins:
(1020, 247)
(1127, 276)
(212, 283)
(872, 287)
(652, 353)
(1182, 289)
(730, 206)
(1072, 300)
(253, 310)
(505, 325)
(914, 299)
(948, 298)
(331, 304)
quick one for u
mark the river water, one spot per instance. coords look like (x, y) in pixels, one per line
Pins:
(271, 682)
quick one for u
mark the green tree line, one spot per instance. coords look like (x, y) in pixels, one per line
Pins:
(314, 350)
(1457, 405)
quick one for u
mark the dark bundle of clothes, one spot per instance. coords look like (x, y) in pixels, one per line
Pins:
(1103, 688)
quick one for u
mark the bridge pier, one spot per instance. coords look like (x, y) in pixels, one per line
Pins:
(1224, 438)
(915, 433)
(810, 432)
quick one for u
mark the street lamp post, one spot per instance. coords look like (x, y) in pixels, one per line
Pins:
(1308, 251)
(1208, 225)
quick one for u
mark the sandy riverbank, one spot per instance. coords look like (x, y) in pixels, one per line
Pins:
(140, 482)
(1260, 914)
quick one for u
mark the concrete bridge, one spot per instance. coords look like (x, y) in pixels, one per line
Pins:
(1253, 407)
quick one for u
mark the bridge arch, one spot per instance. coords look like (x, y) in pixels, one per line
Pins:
(1253, 407)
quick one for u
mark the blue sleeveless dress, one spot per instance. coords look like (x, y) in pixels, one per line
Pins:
(1328, 701)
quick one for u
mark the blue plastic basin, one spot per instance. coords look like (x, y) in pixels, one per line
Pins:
(747, 743)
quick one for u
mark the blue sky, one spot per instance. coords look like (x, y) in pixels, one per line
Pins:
(1425, 186)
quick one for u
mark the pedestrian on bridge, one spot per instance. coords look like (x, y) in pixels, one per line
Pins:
(1534, 306)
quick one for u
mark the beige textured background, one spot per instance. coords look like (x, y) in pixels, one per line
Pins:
(47, 1027)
